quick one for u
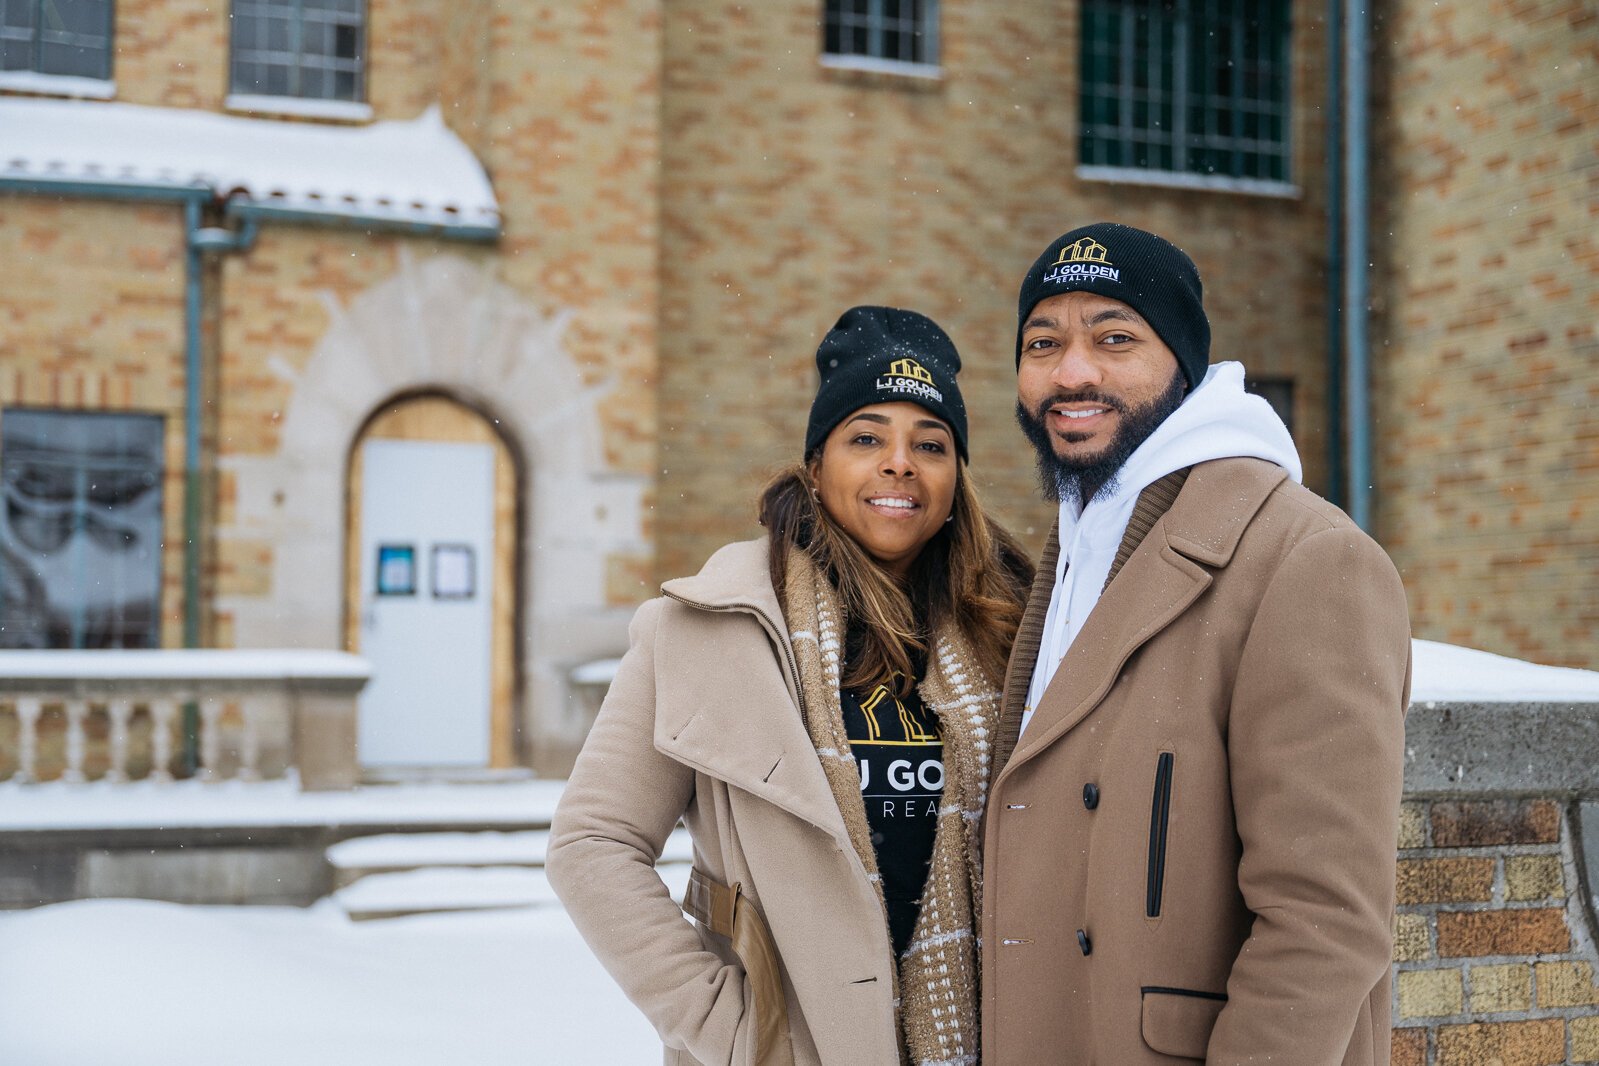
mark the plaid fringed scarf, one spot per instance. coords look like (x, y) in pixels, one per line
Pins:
(937, 979)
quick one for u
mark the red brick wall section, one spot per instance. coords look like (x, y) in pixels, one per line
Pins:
(1494, 966)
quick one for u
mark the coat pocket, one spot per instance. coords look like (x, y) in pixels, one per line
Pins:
(1178, 1021)
(727, 912)
(1159, 817)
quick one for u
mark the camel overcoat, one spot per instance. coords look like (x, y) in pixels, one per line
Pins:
(703, 723)
(1189, 856)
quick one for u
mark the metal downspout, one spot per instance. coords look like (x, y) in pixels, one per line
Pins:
(1335, 255)
(1357, 371)
(198, 240)
(192, 399)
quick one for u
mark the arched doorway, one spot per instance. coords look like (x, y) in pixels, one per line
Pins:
(430, 587)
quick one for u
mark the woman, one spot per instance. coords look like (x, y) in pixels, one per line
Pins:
(817, 708)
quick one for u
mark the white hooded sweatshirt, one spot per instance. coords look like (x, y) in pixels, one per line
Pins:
(1217, 420)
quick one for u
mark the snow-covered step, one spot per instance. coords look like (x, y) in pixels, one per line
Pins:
(463, 888)
(444, 888)
(392, 852)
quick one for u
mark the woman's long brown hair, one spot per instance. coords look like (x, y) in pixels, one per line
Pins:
(973, 574)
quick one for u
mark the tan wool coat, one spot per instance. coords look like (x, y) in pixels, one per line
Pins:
(703, 723)
(1189, 856)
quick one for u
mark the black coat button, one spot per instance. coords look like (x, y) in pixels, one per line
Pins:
(1083, 942)
(1090, 795)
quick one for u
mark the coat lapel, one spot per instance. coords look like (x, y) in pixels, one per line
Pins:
(1160, 581)
(750, 734)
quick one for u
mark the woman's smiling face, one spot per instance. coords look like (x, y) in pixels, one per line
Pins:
(886, 474)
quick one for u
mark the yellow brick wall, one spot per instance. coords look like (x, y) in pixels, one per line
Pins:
(574, 148)
(1493, 957)
(1486, 355)
(171, 53)
(792, 191)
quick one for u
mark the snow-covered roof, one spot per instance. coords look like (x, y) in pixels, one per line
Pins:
(414, 172)
(1447, 673)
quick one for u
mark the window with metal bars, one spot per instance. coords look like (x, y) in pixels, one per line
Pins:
(70, 37)
(313, 49)
(892, 31)
(1192, 87)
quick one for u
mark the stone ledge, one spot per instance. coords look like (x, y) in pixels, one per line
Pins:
(1499, 748)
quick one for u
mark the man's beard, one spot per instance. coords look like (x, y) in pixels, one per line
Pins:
(1086, 479)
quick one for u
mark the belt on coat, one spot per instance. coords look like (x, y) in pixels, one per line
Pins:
(728, 912)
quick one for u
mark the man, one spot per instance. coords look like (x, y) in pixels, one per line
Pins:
(1190, 840)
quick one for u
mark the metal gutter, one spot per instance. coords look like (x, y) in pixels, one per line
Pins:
(454, 231)
(1335, 255)
(1357, 370)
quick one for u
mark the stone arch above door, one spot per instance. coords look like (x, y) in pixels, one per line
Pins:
(446, 325)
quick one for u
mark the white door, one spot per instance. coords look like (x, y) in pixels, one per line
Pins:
(427, 543)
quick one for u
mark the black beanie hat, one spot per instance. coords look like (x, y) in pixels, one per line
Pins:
(1148, 273)
(885, 355)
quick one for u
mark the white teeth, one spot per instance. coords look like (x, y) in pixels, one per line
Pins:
(1082, 414)
(885, 501)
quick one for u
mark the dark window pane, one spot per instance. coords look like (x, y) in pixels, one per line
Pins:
(345, 85)
(16, 55)
(57, 58)
(248, 78)
(18, 13)
(347, 42)
(277, 34)
(77, 16)
(314, 83)
(316, 39)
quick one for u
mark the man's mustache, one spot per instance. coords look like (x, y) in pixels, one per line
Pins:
(1105, 399)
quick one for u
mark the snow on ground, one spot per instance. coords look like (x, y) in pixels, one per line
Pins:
(467, 849)
(140, 983)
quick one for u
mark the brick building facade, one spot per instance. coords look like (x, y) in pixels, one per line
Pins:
(689, 194)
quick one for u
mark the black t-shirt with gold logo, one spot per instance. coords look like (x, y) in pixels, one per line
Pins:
(900, 756)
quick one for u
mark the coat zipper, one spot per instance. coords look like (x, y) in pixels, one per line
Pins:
(1159, 815)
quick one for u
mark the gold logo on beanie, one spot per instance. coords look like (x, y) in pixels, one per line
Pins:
(910, 368)
(1084, 250)
(1083, 260)
(909, 376)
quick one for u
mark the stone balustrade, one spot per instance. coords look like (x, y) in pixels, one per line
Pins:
(116, 716)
